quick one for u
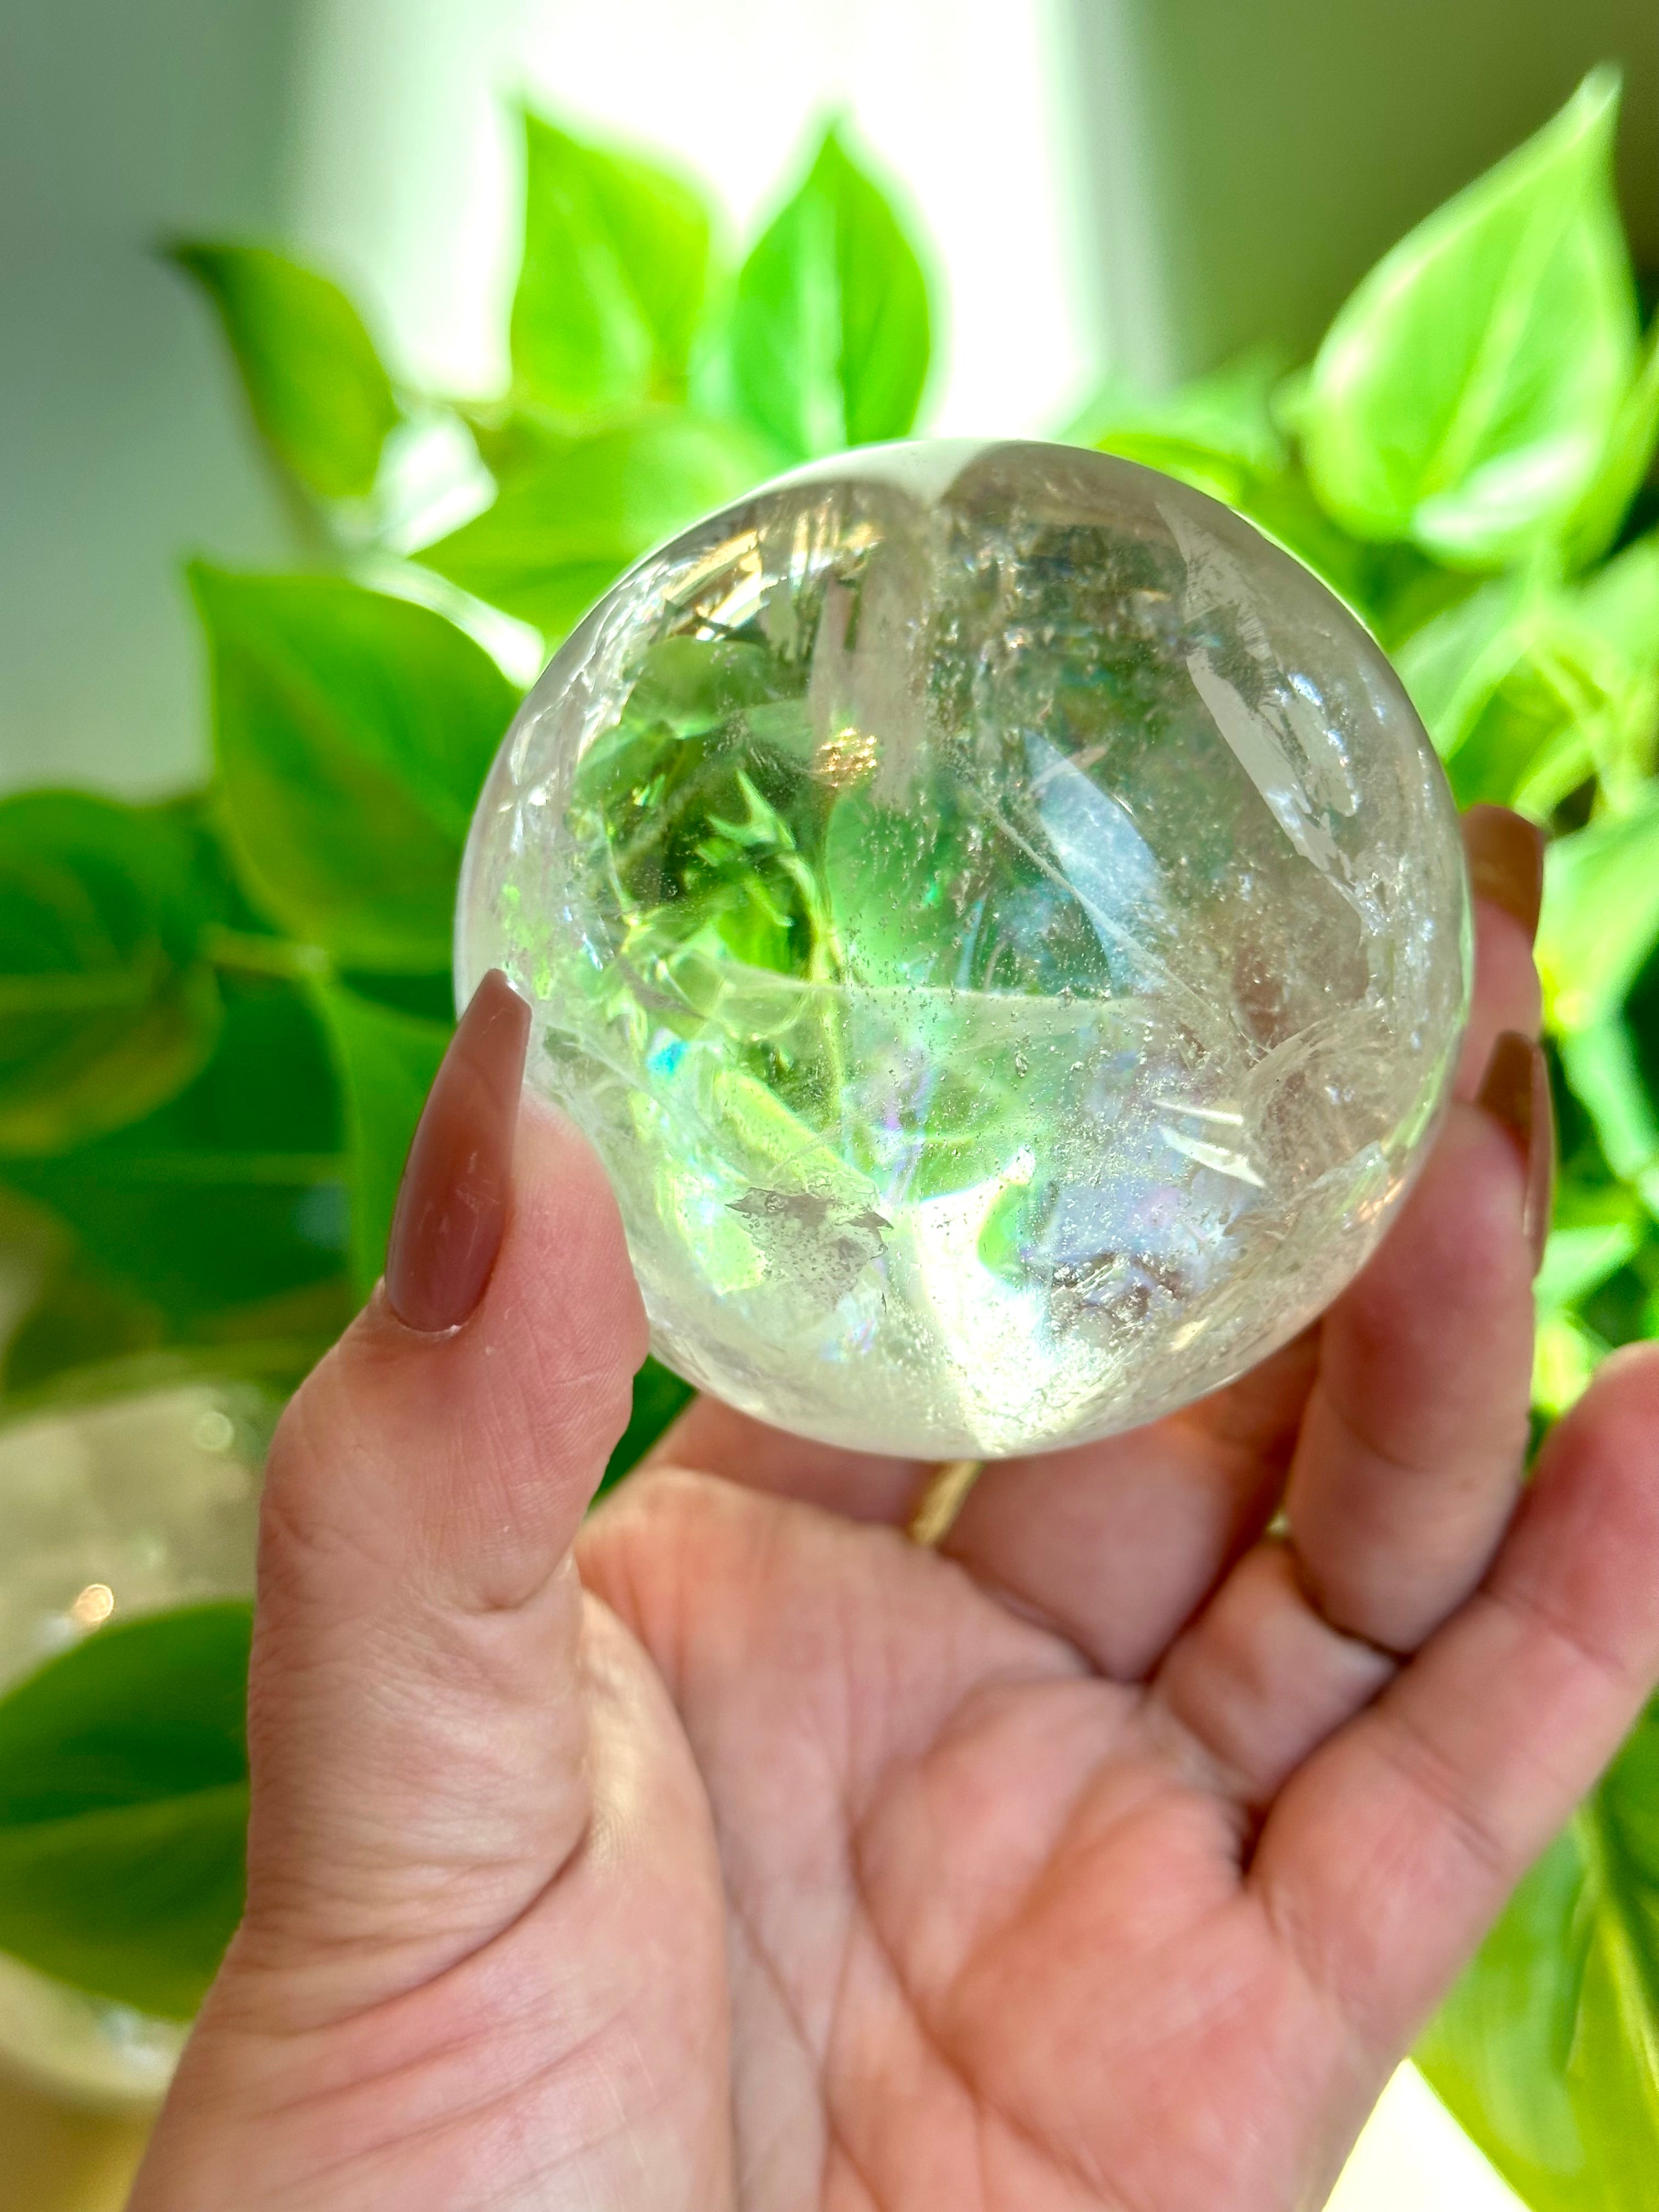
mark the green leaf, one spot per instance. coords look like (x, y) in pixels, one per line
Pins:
(659, 1398)
(219, 1220)
(569, 520)
(321, 400)
(613, 278)
(353, 732)
(106, 1006)
(1465, 395)
(387, 1058)
(136, 1904)
(123, 1806)
(830, 326)
(1579, 1260)
(1548, 2052)
(1600, 917)
(1625, 460)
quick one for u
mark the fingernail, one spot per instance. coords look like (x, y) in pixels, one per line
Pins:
(452, 1205)
(1505, 855)
(1516, 1092)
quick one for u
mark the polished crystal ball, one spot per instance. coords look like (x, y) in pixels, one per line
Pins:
(1002, 925)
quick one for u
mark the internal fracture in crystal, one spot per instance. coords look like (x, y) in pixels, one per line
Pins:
(1003, 927)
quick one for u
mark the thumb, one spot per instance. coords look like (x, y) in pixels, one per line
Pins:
(416, 1731)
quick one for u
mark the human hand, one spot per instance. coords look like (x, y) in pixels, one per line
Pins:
(730, 1850)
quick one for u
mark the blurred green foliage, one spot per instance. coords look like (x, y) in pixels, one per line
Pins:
(123, 1805)
(313, 382)
(1544, 2051)
(223, 1012)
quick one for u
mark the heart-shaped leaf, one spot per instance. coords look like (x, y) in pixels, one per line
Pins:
(1548, 2052)
(1530, 687)
(831, 328)
(353, 732)
(314, 383)
(1466, 394)
(106, 1006)
(123, 1807)
(1625, 461)
(613, 277)
(219, 1220)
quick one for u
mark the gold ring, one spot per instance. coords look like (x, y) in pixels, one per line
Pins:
(943, 1496)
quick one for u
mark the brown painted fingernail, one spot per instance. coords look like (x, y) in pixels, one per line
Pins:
(451, 1205)
(1506, 862)
(1516, 1092)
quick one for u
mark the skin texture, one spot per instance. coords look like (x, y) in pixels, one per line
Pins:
(730, 1850)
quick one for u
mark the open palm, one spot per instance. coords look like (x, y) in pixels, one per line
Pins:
(1110, 1855)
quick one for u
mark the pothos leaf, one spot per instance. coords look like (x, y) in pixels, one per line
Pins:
(220, 1215)
(1465, 395)
(123, 1804)
(613, 278)
(353, 732)
(830, 327)
(315, 385)
(1529, 687)
(107, 1006)
(1548, 2052)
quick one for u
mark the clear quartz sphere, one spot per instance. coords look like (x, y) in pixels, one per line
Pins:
(1004, 927)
